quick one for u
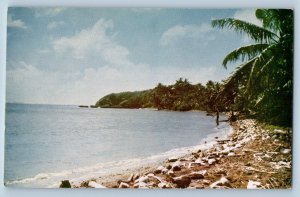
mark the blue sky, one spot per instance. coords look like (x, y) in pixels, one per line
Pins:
(77, 55)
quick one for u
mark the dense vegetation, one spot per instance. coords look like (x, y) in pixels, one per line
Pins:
(137, 99)
(262, 86)
(181, 96)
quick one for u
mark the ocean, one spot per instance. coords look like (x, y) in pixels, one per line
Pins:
(45, 144)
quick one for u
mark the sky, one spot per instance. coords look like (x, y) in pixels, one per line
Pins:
(78, 55)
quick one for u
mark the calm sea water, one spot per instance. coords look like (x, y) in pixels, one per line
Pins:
(45, 144)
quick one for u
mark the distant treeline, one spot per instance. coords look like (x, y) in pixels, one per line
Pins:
(180, 96)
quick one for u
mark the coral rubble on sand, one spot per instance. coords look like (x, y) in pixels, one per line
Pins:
(250, 158)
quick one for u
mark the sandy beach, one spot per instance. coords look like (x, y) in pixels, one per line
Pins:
(249, 157)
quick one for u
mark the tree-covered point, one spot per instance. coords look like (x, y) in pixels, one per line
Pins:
(136, 99)
(180, 96)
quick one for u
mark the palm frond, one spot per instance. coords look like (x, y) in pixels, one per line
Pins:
(271, 60)
(235, 78)
(272, 18)
(259, 34)
(239, 73)
(243, 53)
(262, 61)
(269, 18)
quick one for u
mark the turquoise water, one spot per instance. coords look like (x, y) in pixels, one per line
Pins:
(47, 143)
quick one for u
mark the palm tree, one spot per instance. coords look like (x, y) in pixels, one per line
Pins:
(265, 77)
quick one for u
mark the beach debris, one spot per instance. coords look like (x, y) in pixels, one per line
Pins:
(196, 175)
(267, 157)
(203, 172)
(237, 146)
(124, 185)
(222, 182)
(172, 159)
(140, 185)
(212, 155)
(285, 151)
(182, 181)
(200, 161)
(176, 166)
(221, 172)
(164, 171)
(279, 131)
(163, 185)
(93, 184)
(259, 156)
(250, 170)
(223, 141)
(231, 154)
(169, 167)
(196, 185)
(265, 137)
(211, 161)
(225, 151)
(253, 184)
(280, 164)
(130, 178)
(155, 179)
(205, 181)
(144, 179)
(171, 173)
(159, 169)
(135, 176)
(65, 184)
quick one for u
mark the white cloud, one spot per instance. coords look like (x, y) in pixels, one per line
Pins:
(26, 83)
(247, 15)
(18, 23)
(50, 12)
(43, 51)
(185, 31)
(55, 24)
(94, 40)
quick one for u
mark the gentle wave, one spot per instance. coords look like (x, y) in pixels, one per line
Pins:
(53, 179)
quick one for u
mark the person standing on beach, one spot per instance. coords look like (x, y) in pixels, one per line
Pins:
(217, 118)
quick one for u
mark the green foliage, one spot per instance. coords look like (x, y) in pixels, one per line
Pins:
(271, 128)
(181, 96)
(262, 85)
(255, 32)
(138, 99)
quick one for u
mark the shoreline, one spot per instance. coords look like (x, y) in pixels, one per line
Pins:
(249, 157)
(114, 170)
(152, 161)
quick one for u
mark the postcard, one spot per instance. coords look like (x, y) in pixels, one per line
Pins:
(149, 98)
